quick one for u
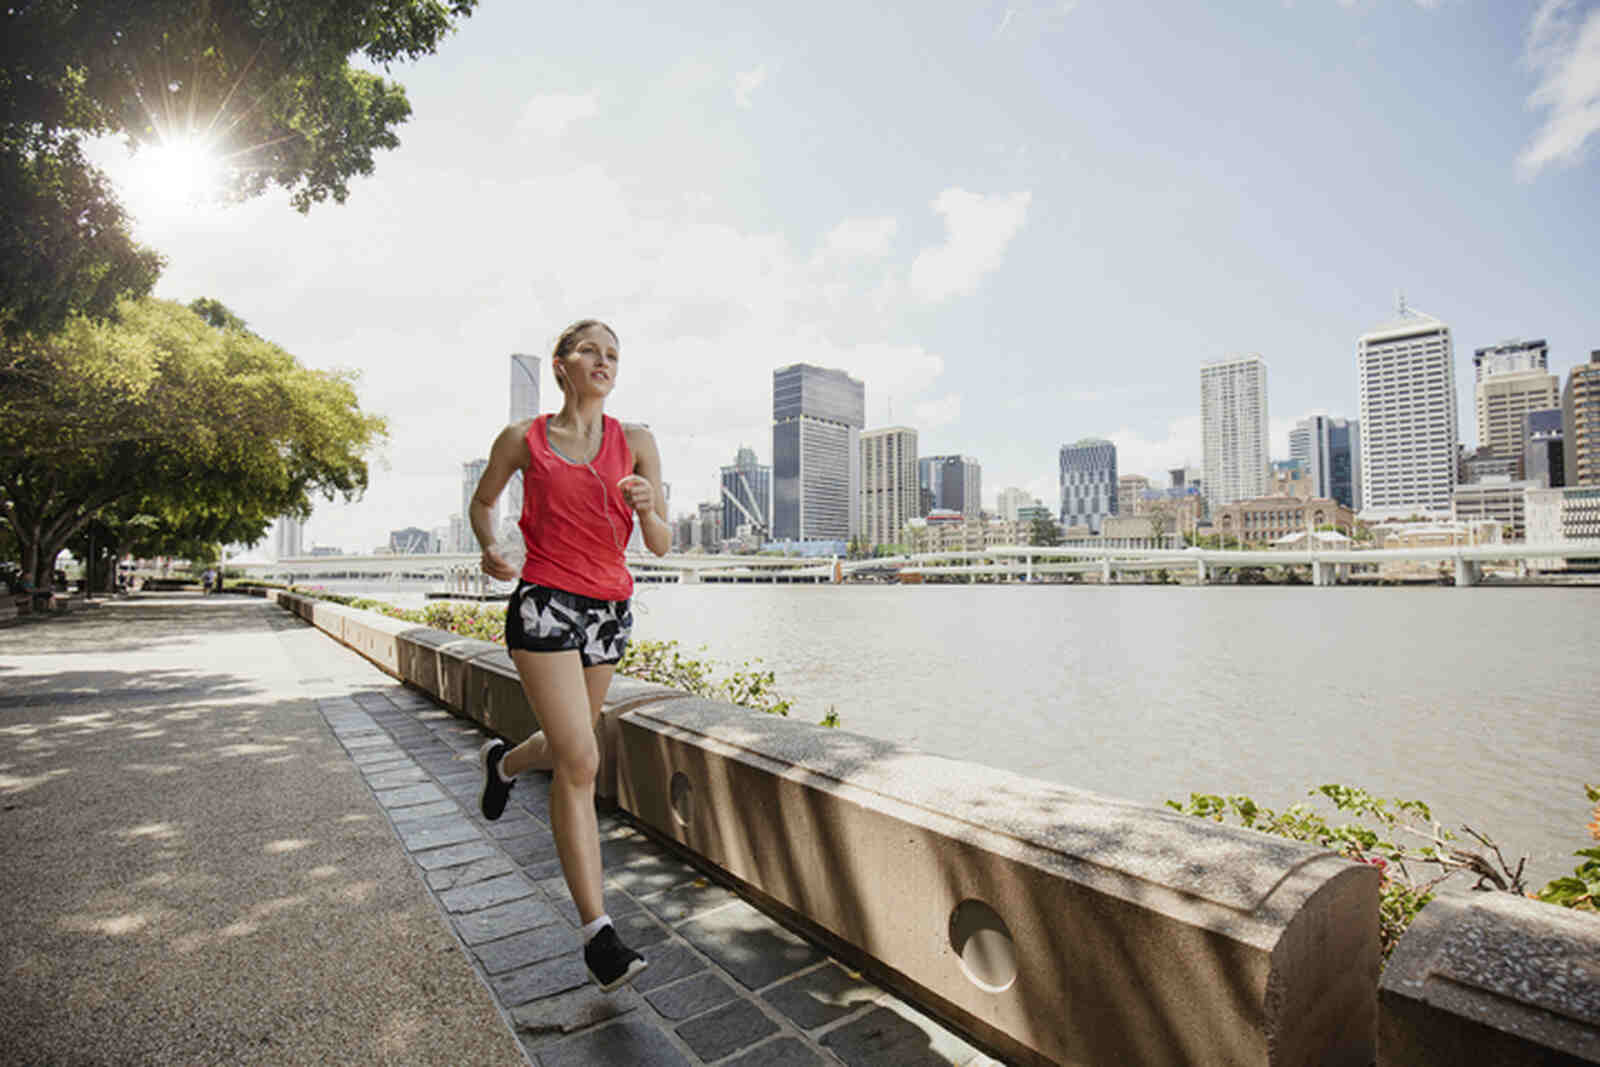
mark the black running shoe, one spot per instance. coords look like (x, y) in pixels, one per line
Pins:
(610, 962)
(495, 789)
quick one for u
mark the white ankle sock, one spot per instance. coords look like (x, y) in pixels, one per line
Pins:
(500, 769)
(590, 929)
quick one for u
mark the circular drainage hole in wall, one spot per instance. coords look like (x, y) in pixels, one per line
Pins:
(981, 941)
(682, 795)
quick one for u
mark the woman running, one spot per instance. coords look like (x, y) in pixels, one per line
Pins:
(584, 478)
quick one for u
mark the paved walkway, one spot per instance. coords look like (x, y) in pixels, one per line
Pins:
(229, 839)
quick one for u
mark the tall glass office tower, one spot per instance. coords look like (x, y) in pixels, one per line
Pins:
(953, 483)
(1088, 483)
(1329, 450)
(524, 405)
(817, 416)
(746, 496)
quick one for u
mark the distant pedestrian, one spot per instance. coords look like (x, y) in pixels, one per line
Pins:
(585, 477)
(205, 581)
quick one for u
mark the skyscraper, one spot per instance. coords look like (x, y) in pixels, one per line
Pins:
(1012, 498)
(1580, 417)
(817, 415)
(953, 483)
(1329, 450)
(524, 405)
(1408, 416)
(1512, 379)
(888, 483)
(288, 537)
(1233, 415)
(746, 496)
(471, 471)
(1544, 458)
(1088, 479)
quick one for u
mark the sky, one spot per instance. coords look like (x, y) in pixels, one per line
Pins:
(1018, 223)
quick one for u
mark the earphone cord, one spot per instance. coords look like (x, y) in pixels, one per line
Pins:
(605, 508)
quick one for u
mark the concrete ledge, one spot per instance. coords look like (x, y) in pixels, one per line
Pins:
(494, 696)
(1493, 979)
(1058, 926)
(376, 637)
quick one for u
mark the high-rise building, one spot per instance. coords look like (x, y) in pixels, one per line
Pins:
(288, 537)
(1012, 498)
(708, 521)
(1129, 489)
(1233, 415)
(888, 483)
(1580, 418)
(817, 416)
(746, 496)
(410, 541)
(952, 483)
(1330, 450)
(1544, 457)
(471, 471)
(1408, 445)
(524, 405)
(1509, 357)
(1512, 380)
(1088, 480)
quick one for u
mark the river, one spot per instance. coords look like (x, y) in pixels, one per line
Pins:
(1483, 702)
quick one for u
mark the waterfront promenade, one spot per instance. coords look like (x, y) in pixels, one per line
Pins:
(230, 839)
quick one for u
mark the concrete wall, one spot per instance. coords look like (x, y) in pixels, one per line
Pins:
(1054, 926)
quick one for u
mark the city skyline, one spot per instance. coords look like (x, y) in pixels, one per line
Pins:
(1018, 224)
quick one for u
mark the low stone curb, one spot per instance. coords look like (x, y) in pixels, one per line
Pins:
(726, 983)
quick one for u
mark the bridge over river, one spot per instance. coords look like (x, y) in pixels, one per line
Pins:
(459, 572)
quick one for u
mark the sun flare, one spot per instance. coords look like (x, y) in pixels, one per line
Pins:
(177, 174)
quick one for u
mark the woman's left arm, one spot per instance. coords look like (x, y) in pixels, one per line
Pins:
(648, 502)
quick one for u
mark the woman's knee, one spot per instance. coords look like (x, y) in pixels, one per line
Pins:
(578, 762)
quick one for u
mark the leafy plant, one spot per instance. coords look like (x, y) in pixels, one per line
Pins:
(1410, 873)
(1581, 889)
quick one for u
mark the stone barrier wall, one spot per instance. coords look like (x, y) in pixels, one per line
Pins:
(1053, 925)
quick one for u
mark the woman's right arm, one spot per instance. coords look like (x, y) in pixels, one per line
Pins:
(508, 455)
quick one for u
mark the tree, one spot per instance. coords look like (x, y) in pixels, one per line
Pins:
(1161, 519)
(1044, 532)
(266, 84)
(164, 427)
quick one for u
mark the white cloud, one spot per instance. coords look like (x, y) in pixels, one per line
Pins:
(977, 230)
(1152, 457)
(745, 83)
(1563, 46)
(937, 412)
(552, 114)
(858, 239)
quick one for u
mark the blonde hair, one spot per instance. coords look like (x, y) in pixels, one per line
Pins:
(569, 340)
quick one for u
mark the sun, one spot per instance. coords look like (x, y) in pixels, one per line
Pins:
(175, 175)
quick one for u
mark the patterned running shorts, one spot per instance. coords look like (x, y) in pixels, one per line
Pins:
(541, 619)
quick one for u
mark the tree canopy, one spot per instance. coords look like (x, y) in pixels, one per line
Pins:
(162, 425)
(267, 84)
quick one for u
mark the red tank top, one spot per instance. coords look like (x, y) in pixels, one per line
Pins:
(575, 524)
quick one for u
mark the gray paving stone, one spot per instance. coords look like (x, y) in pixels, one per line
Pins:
(668, 963)
(726, 1030)
(624, 848)
(454, 855)
(398, 763)
(628, 1041)
(639, 930)
(486, 894)
(372, 757)
(516, 823)
(466, 788)
(529, 848)
(543, 1022)
(521, 950)
(371, 739)
(651, 874)
(469, 874)
(503, 920)
(818, 997)
(410, 796)
(394, 779)
(555, 890)
(424, 811)
(686, 901)
(427, 834)
(690, 997)
(543, 869)
(749, 945)
(540, 980)
(780, 1052)
(894, 1033)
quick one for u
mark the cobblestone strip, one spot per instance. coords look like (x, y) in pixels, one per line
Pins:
(726, 984)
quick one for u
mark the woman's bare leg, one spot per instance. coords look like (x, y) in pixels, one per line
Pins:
(567, 699)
